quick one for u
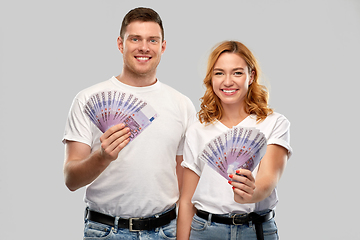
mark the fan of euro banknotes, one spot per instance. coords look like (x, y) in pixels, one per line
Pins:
(239, 147)
(109, 108)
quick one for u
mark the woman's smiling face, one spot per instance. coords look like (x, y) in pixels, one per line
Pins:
(231, 79)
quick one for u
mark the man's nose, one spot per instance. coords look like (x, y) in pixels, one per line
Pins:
(144, 45)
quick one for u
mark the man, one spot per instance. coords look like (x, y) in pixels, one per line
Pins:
(131, 188)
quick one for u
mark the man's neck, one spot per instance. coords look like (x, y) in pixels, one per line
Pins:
(137, 80)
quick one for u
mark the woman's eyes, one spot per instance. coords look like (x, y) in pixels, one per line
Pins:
(238, 73)
(235, 73)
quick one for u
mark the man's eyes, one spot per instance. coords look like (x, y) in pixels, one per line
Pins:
(138, 40)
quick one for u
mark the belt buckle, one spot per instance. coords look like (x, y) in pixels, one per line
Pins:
(233, 219)
(131, 225)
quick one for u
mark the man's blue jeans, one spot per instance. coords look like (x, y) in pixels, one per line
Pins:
(205, 229)
(98, 231)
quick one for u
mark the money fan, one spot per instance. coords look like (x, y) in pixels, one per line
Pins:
(108, 108)
(239, 147)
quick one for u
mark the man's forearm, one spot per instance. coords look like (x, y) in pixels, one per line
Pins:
(81, 172)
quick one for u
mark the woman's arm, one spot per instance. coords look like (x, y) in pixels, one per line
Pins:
(186, 208)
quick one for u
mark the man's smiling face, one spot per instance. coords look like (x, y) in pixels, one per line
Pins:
(142, 48)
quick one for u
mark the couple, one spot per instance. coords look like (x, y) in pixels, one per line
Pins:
(132, 189)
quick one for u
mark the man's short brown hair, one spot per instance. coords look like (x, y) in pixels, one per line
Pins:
(141, 14)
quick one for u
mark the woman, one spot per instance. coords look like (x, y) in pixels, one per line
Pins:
(209, 207)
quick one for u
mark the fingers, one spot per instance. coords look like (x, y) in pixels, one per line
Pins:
(245, 186)
(241, 173)
(243, 183)
(243, 176)
(114, 140)
(119, 128)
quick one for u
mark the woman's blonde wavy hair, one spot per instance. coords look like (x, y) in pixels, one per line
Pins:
(256, 101)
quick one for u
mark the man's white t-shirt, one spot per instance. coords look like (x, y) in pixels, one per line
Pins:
(213, 193)
(142, 181)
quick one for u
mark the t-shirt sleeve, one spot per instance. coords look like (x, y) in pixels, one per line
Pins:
(189, 118)
(78, 124)
(190, 159)
(191, 150)
(281, 134)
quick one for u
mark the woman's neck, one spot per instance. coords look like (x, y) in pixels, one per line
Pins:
(233, 117)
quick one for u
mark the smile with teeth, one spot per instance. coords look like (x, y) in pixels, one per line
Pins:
(142, 58)
(229, 91)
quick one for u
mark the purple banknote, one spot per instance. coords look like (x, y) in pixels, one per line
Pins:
(239, 147)
(108, 108)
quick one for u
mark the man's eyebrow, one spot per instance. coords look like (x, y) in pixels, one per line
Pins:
(133, 35)
(139, 36)
(155, 37)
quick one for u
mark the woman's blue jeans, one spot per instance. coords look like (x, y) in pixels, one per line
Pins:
(205, 229)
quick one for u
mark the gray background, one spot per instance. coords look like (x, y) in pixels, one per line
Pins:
(308, 51)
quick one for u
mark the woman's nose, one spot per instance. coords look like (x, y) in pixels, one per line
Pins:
(228, 81)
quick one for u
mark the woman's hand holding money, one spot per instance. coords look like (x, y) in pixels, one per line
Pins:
(243, 183)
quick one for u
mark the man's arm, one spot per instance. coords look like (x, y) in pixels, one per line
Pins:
(81, 167)
(186, 208)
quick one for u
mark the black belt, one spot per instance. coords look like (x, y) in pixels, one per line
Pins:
(133, 224)
(238, 219)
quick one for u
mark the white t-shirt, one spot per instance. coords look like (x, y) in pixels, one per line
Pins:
(213, 193)
(142, 181)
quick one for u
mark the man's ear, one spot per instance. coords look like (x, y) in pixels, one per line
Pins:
(120, 44)
(163, 47)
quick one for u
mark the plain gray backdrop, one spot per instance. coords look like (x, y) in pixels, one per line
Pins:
(309, 54)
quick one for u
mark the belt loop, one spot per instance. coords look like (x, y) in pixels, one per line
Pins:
(209, 219)
(116, 224)
(86, 213)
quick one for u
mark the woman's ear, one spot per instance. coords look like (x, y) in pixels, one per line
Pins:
(252, 76)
